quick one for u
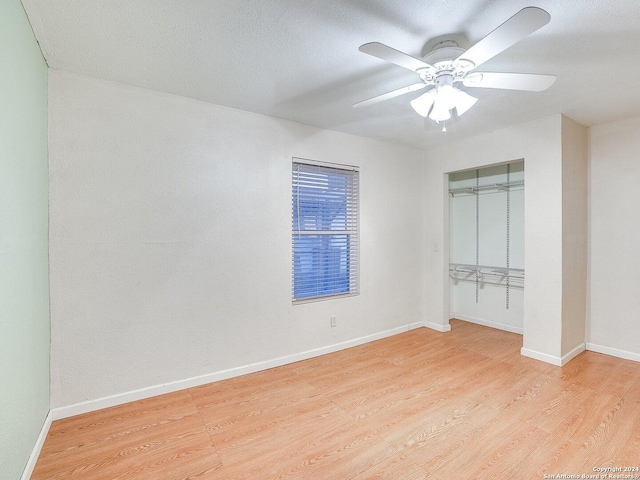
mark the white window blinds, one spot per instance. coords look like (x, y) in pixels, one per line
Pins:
(325, 230)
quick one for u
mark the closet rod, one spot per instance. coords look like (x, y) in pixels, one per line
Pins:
(491, 186)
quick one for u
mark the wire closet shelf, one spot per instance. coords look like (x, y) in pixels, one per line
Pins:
(486, 275)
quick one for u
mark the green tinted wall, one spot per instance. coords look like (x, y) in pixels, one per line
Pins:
(24, 287)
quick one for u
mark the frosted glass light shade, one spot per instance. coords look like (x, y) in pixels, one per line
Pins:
(448, 96)
(438, 102)
(464, 101)
(440, 111)
(423, 103)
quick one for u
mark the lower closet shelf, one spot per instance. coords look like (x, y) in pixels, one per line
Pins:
(487, 275)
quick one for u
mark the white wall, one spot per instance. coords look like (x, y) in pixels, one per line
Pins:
(491, 306)
(170, 238)
(614, 239)
(539, 144)
(24, 287)
(574, 235)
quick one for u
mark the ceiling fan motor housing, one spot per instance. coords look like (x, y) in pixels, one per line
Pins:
(443, 58)
(444, 78)
(445, 51)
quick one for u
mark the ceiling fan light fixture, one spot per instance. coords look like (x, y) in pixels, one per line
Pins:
(438, 102)
(423, 103)
(464, 102)
(447, 96)
(447, 64)
(440, 111)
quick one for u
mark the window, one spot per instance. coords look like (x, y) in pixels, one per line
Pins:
(325, 230)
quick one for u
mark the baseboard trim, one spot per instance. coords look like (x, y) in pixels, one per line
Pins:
(134, 395)
(488, 323)
(37, 448)
(566, 358)
(413, 326)
(553, 360)
(614, 352)
(543, 357)
(437, 327)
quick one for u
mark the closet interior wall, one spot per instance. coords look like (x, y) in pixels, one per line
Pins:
(486, 215)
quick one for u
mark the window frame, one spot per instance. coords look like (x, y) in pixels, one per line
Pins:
(353, 245)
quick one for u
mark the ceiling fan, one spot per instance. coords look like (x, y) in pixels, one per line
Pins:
(448, 64)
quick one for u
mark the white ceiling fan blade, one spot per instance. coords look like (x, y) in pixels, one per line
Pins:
(510, 81)
(388, 95)
(394, 56)
(523, 23)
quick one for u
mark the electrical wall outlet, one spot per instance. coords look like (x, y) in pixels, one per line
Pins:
(334, 322)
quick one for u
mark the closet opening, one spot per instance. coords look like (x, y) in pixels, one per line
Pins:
(486, 246)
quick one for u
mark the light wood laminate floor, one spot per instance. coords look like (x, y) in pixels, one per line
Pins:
(419, 405)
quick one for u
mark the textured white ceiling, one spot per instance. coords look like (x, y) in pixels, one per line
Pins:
(299, 59)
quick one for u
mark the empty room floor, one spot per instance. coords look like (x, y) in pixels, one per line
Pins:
(419, 405)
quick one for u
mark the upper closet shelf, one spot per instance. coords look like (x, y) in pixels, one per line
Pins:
(490, 186)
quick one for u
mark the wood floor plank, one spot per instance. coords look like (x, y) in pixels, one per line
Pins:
(262, 426)
(397, 422)
(489, 456)
(175, 457)
(601, 373)
(617, 431)
(395, 467)
(123, 425)
(553, 409)
(166, 431)
(419, 405)
(589, 416)
(334, 381)
(333, 448)
(104, 424)
(436, 437)
(550, 457)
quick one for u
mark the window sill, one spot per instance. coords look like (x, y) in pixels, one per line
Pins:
(323, 298)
